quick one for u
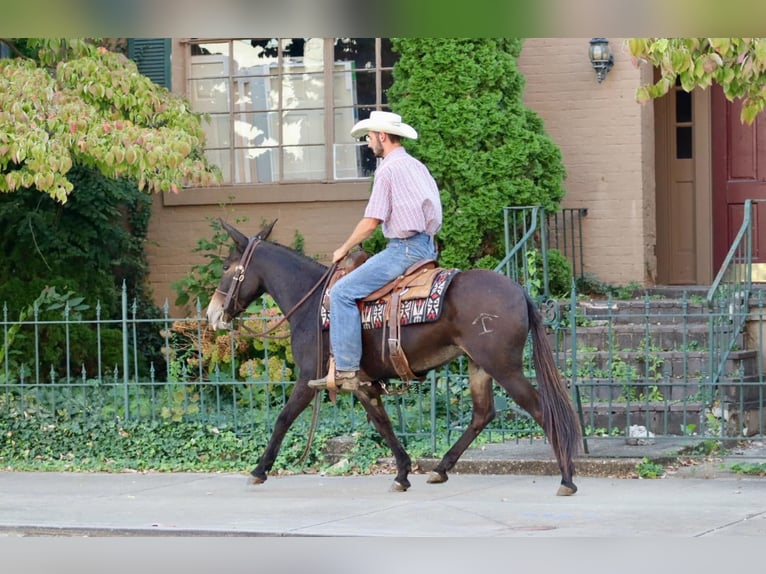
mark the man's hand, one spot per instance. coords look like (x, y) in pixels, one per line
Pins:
(338, 254)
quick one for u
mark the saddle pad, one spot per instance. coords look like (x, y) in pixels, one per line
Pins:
(412, 311)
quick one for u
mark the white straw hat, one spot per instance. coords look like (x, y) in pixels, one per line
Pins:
(386, 122)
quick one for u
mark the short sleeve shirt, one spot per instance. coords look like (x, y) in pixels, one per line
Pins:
(404, 197)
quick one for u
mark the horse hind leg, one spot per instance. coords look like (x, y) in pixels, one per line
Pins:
(370, 398)
(528, 398)
(480, 385)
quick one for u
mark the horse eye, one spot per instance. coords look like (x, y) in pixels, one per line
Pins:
(226, 267)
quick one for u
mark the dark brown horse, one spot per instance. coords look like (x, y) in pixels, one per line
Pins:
(485, 316)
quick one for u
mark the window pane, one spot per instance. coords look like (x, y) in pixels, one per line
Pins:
(221, 158)
(253, 53)
(208, 48)
(302, 90)
(307, 52)
(265, 160)
(345, 118)
(683, 143)
(304, 162)
(359, 51)
(217, 131)
(251, 130)
(353, 161)
(387, 55)
(255, 165)
(683, 106)
(254, 92)
(354, 86)
(303, 127)
(266, 126)
(386, 81)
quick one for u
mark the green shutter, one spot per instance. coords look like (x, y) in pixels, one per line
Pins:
(152, 56)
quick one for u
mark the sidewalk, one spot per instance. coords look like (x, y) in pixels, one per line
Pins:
(472, 504)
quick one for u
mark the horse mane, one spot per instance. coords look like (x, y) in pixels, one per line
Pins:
(297, 257)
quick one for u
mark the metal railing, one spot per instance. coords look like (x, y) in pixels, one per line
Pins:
(565, 234)
(728, 300)
(682, 370)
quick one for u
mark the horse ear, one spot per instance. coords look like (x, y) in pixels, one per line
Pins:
(266, 231)
(239, 238)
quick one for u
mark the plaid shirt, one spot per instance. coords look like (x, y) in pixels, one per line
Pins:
(404, 197)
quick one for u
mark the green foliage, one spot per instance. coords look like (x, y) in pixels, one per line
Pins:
(559, 274)
(649, 469)
(200, 283)
(74, 104)
(83, 250)
(95, 241)
(738, 65)
(485, 149)
(750, 468)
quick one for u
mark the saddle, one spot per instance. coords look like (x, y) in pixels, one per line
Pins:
(415, 283)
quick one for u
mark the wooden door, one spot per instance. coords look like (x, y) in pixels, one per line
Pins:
(676, 196)
(739, 173)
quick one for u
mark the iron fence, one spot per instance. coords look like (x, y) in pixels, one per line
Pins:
(688, 369)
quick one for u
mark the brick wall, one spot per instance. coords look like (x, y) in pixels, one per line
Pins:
(175, 230)
(607, 141)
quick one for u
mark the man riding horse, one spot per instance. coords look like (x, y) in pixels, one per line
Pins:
(405, 201)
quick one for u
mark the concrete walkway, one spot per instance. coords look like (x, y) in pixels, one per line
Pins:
(498, 511)
(467, 506)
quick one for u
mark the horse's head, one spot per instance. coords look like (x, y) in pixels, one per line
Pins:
(238, 286)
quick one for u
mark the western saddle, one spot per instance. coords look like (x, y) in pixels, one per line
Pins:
(414, 283)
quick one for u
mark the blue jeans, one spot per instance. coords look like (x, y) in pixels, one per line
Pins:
(345, 320)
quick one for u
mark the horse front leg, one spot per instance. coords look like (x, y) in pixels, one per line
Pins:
(296, 404)
(370, 398)
(480, 385)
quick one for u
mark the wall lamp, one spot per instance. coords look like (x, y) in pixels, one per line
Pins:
(601, 57)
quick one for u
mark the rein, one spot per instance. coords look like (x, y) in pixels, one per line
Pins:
(322, 281)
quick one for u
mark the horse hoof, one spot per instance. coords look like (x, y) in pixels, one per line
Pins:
(436, 478)
(399, 487)
(256, 480)
(566, 490)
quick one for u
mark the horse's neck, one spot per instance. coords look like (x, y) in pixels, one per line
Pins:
(288, 284)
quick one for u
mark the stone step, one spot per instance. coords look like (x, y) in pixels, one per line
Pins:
(660, 418)
(595, 389)
(638, 336)
(653, 311)
(655, 365)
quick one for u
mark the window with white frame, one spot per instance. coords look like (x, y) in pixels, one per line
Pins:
(281, 109)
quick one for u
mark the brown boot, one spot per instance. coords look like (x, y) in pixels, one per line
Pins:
(344, 381)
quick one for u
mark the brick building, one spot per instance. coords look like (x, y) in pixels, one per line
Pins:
(660, 181)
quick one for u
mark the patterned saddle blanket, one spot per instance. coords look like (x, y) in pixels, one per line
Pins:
(421, 300)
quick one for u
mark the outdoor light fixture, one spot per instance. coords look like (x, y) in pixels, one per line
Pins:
(601, 57)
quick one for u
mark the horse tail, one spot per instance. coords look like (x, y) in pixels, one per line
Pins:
(560, 420)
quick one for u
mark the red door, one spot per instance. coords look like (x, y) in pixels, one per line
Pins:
(739, 173)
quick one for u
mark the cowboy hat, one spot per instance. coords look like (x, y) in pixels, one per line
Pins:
(386, 122)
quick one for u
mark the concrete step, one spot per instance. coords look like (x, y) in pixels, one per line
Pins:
(655, 365)
(637, 336)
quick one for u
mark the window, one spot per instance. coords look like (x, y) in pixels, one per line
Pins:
(269, 99)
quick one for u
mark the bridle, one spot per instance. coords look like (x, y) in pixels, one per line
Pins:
(232, 295)
(239, 276)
